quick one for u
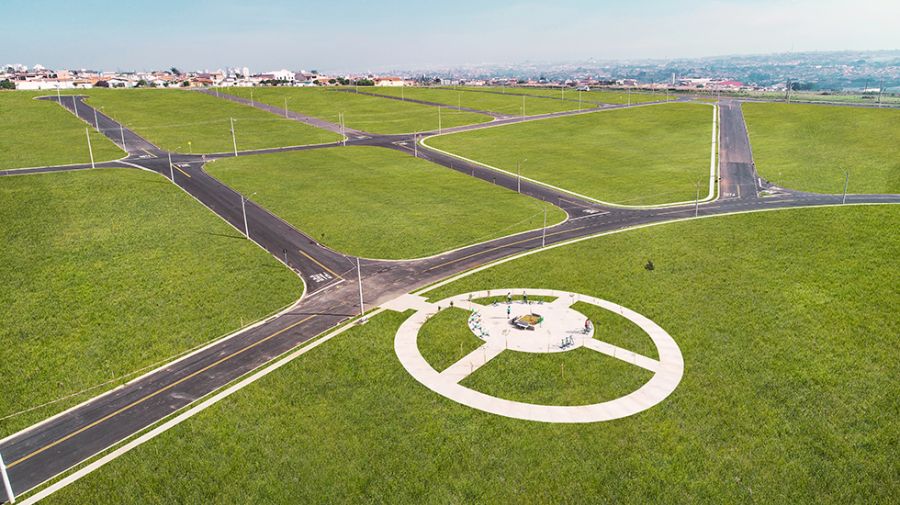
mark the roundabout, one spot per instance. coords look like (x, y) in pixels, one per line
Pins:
(554, 327)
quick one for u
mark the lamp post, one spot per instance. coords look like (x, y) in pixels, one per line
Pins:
(519, 175)
(244, 211)
(87, 133)
(846, 181)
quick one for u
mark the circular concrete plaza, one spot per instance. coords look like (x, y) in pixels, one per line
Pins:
(545, 327)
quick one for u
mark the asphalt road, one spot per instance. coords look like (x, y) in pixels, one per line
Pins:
(49, 448)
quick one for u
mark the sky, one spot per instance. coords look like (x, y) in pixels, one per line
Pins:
(360, 36)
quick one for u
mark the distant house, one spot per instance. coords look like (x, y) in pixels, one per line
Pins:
(390, 81)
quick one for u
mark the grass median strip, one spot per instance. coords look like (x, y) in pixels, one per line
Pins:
(361, 112)
(41, 133)
(187, 121)
(380, 203)
(641, 156)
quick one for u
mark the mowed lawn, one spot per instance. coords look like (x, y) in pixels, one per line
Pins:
(789, 393)
(108, 271)
(39, 133)
(641, 156)
(361, 112)
(187, 121)
(809, 147)
(492, 102)
(593, 96)
(380, 203)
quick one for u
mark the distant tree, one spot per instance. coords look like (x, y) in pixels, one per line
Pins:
(101, 84)
(365, 82)
(175, 71)
(332, 81)
(7, 84)
(142, 83)
(185, 84)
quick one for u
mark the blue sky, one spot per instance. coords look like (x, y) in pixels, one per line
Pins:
(386, 34)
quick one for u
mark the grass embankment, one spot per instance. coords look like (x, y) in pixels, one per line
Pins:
(789, 393)
(446, 338)
(170, 118)
(492, 102)
(361, 112)
(109, 271)
(39, 133)
(380, 203)
(642, 156)
(809, 147)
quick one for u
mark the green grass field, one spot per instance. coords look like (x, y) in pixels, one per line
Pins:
(642, 156)
(380, 203)
(38, 133)
(808, 147)
(492, 102)
(172, 118)
(789, 393)
(446, 338)
(361, 112)
(109, 271)
(571, 94)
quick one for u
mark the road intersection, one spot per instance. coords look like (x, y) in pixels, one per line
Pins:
(49, 448)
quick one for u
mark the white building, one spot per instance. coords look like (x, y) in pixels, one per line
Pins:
(390, 81)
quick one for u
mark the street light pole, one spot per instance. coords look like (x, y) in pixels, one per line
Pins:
(87, 134)
(440, 128)
(171, 168)
(544, 232)
(416, 145)
(233, 138)
(244, 212)
(519, 175)
(362, 307)
(96, 122)
(6, 484)
(846, 181)
(285, 107)
(697, 201)
(122, 133)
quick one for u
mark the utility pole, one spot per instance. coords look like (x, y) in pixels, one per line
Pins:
(58, 97)
(846, 182)
(416, 145)
(362, 307)
(6, 484)
(75, 105)
(523, 105)
(244, 212)
(458, 100)
(697, 201)
(629, 94)
(233, 138)
(122, 133)
(96, 123)
(87, 133)
(544, 232)
(440, 128)
(285, 107)
(171, 168)
(579, 99)
(880, 92)
(251, 97)
(519, 175)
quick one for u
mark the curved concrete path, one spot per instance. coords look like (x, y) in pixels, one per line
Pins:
(668, 370)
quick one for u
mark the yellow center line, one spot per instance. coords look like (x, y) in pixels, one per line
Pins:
(457, 260)
(180, 170)
(317, 262)
(151, 395)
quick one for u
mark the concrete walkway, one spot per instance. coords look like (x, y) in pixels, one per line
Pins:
(493, 327)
